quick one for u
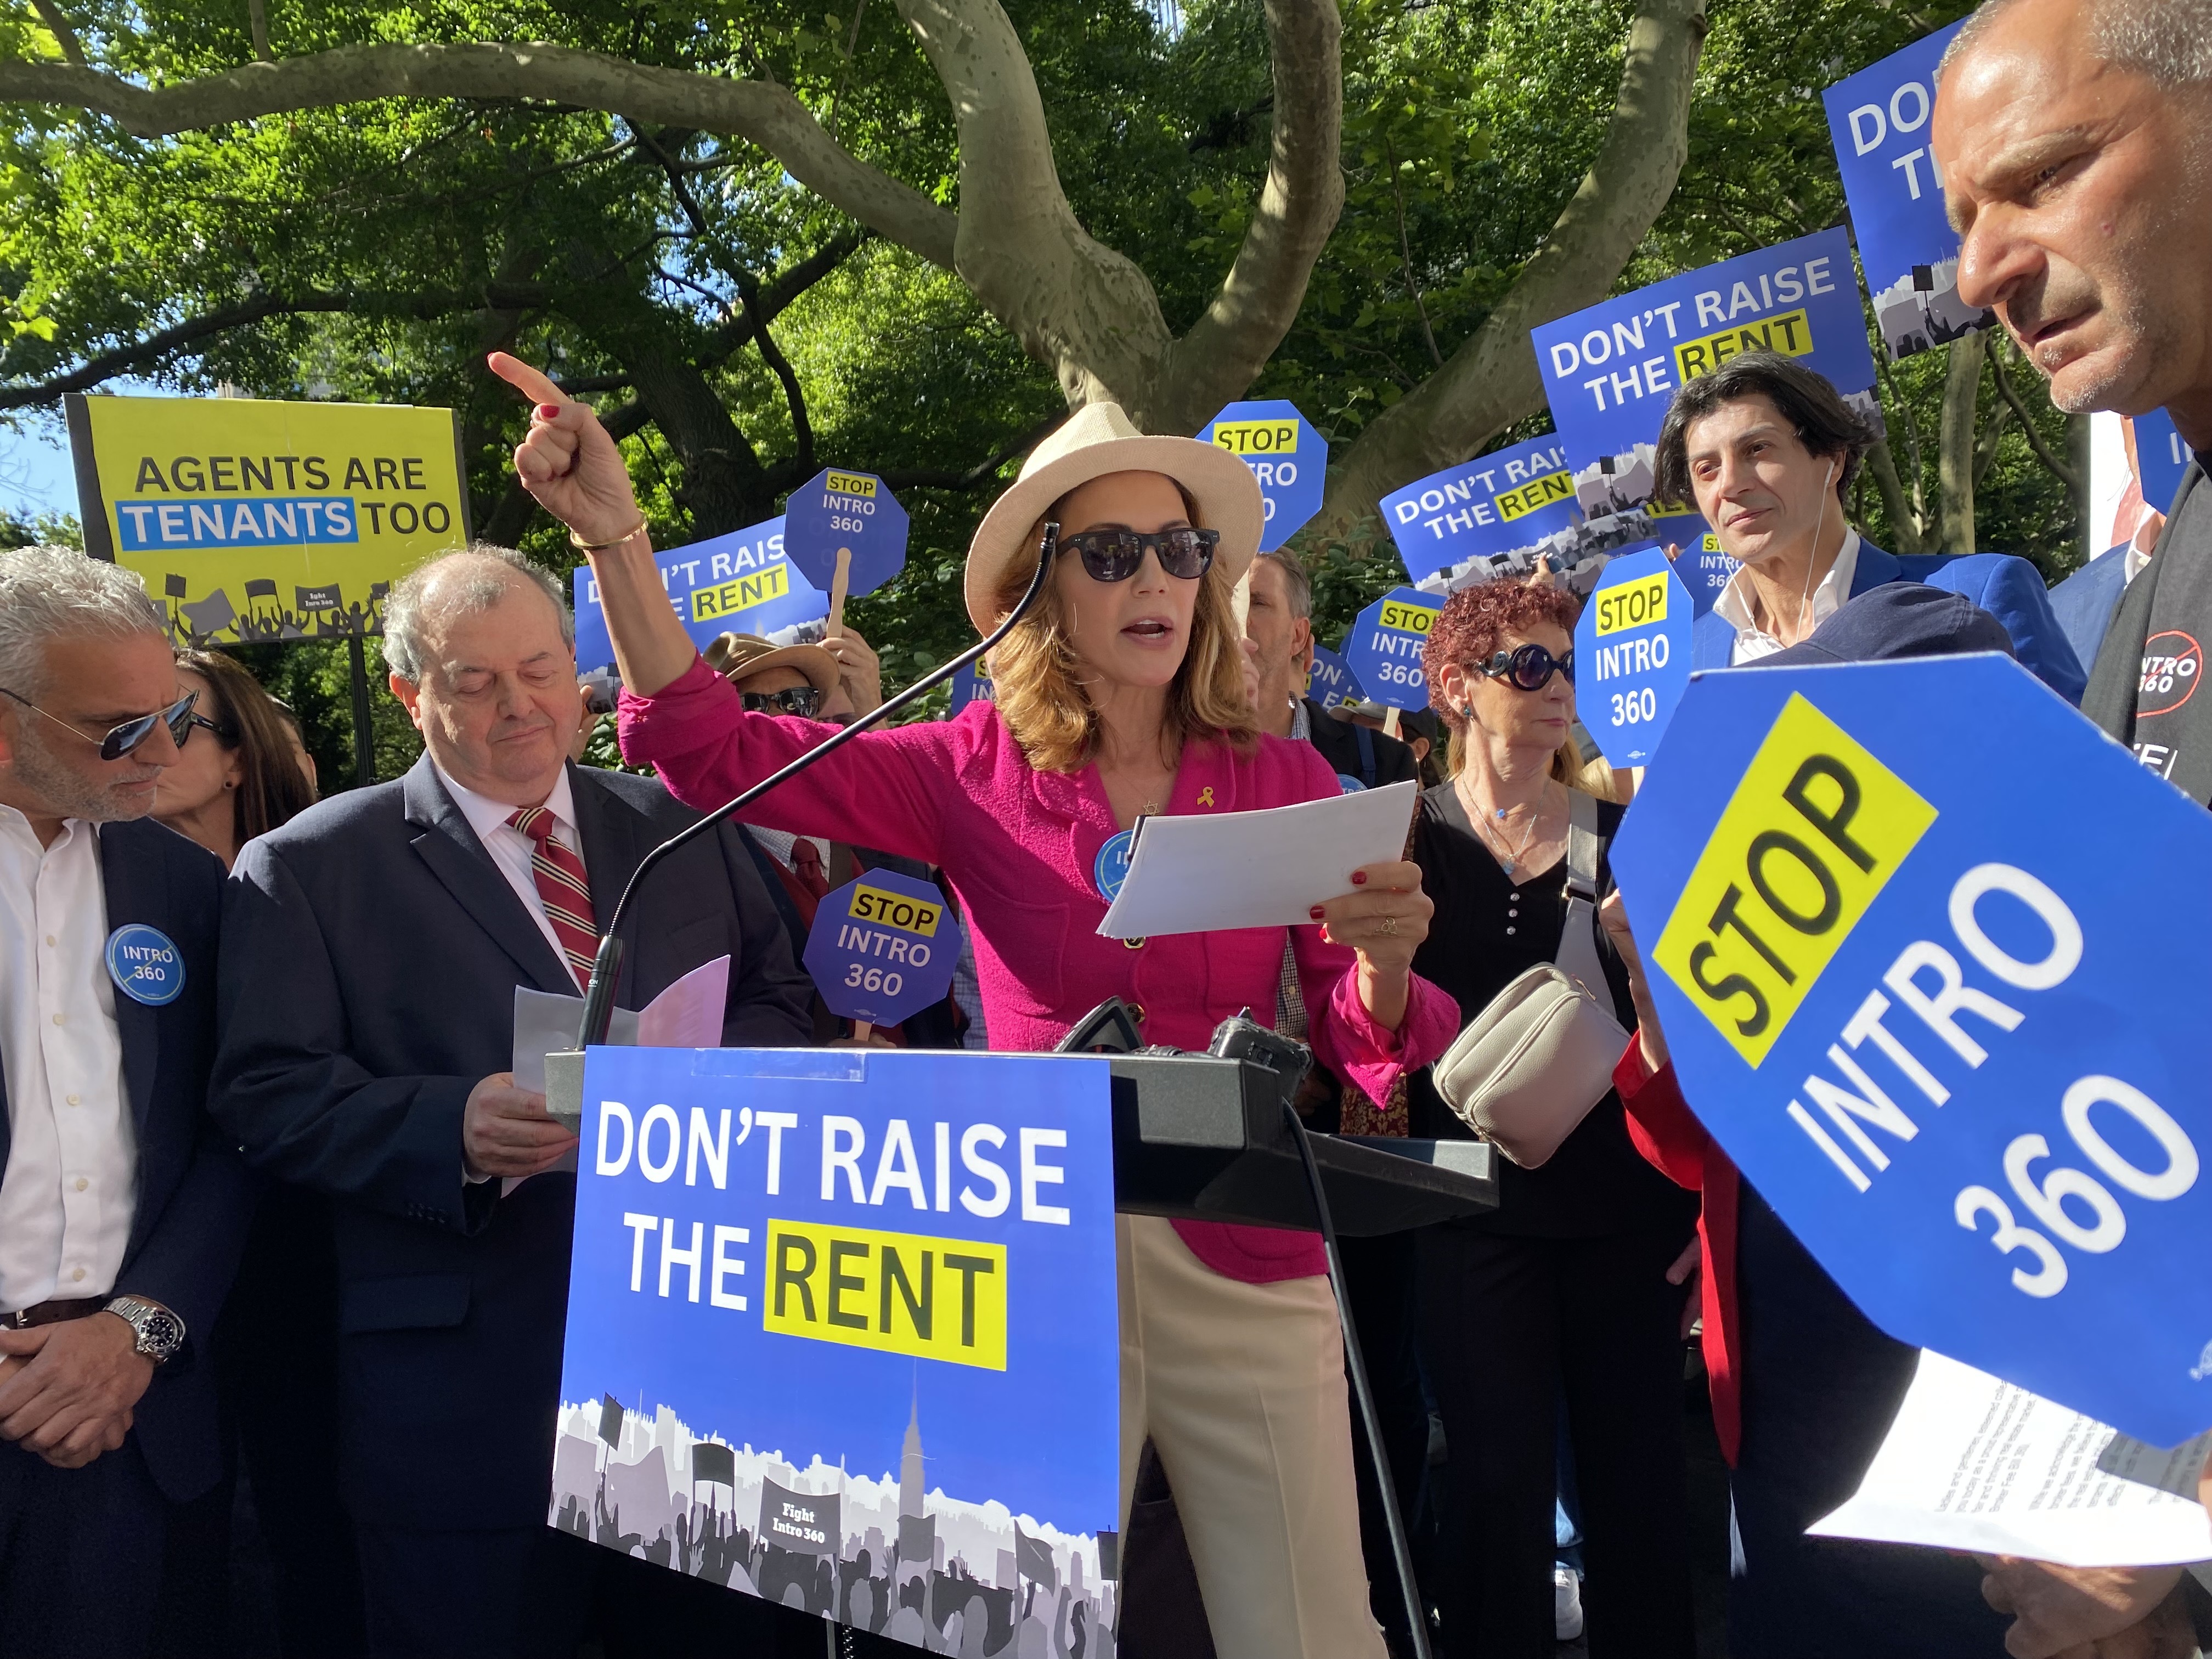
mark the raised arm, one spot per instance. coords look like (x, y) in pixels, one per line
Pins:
(572, 466)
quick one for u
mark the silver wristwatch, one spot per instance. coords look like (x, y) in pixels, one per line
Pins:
(159, 1332)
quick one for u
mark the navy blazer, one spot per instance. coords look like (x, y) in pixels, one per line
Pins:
(195, 1199)
(2085, 601)
(374, 948)
(2009, 588)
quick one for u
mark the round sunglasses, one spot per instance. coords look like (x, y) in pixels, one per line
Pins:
(1529, 667)
(804, 700)
(128, 736)
(1114, 555)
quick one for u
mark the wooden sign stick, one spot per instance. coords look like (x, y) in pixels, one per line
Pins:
(844, 574)
(1389, 722)
(861, 1030)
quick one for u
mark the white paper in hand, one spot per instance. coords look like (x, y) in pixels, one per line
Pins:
(1203, 872)
(1974, 1463)
(687, 1014)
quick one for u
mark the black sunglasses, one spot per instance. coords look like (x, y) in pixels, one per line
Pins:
(178, 717)
(804, 700)
(1530, 667)
(1114, 555)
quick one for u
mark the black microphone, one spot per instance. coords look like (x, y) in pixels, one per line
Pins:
(606, 964)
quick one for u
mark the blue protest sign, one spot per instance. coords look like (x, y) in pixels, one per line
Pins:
(845, 511)
(1923, 1006)
(1633, 655)
(1499, 515)
(973, 685)
(825, 1303)
(740, 583)
(145, 964)
(1330, 682)
(2161, 457)
(883, 946)
(1286, 455)
(1384, 649)
(1610, 372)
(1878, 120)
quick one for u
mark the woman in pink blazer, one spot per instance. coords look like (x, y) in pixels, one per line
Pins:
(1121, 696)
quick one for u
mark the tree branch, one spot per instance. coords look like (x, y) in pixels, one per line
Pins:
(1954, 458)
(1259, 298)
(780, 365)
(1905, 526)
(257, 19)
(1492, 379)
(983, 473)
(767, 115)
(58, 27)
(2066, 474)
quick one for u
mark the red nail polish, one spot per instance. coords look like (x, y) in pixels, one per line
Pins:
(1316, 913)
(1359, 878)
(548, 411)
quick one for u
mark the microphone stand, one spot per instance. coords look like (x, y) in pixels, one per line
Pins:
(606, 962)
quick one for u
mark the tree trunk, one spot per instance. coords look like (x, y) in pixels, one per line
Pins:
(1492, 379)
(1962, 390)
(1905, 526)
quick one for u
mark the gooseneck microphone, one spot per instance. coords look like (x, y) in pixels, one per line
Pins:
(606, 962)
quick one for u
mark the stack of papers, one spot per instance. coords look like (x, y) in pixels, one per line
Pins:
(1202, 872)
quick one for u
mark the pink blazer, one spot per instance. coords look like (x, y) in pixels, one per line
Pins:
(1020, 846)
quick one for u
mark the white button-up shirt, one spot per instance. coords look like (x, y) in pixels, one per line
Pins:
(512, 850)
(1751, 641)
(70, 1189)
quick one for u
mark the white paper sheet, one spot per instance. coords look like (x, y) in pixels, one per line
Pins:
(687, 1014)
(1974, 1463)
(1200, 872)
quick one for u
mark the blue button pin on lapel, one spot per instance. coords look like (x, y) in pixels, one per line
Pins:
(145, 964)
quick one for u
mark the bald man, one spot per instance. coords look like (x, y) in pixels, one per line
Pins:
(2074, 140)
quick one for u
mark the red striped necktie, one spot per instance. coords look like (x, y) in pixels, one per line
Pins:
(566, 892)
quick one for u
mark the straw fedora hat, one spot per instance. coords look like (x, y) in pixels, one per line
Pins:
(740, 656)
(1096, 441)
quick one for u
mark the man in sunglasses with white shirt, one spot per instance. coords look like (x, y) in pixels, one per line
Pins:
(122, 1212)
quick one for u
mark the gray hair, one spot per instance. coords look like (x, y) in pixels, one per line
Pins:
(475, 578)
(1298, 587)
(54, 592)
(2168, 40)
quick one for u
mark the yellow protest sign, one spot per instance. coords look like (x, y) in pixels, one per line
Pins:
(255, 519)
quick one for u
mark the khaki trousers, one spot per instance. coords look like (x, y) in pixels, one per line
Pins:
(1242, 1389)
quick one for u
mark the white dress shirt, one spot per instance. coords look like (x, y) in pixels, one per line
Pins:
(1751, 641)
(70, 1189)
(779, 843)
(512, 850)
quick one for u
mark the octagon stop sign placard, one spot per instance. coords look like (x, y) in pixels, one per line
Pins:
(883, 946)
(1288, 459)
(851, 513)
(1633, 655)
(1384, 649)
(1918, 935)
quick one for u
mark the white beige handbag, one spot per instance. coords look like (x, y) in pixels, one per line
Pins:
(1528, 1068)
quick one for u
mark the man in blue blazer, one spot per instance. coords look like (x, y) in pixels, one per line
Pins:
(1766, 448)
(374, 945)
(122, 1209)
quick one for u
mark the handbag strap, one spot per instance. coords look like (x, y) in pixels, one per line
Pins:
(1582, 846)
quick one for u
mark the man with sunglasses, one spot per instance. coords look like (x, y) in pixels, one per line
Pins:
(122, 1212)
(374, 947)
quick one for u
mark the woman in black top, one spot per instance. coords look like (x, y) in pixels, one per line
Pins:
(1560, 1297)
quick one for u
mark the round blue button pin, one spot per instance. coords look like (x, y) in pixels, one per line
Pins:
(1112, 868)
(145, 964)
(1348, 786)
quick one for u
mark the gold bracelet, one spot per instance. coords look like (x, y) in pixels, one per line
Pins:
(583, 546)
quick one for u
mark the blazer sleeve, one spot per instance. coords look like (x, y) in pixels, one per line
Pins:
(2011, 590)
(187, 1260)
(301, 1109)
(1660, 1122)
(882, 788)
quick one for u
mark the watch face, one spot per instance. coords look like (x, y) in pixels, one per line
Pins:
(158, 1335)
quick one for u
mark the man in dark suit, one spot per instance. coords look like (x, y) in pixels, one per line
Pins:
(1278, 634)
(122, 1212)
(376, 943)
